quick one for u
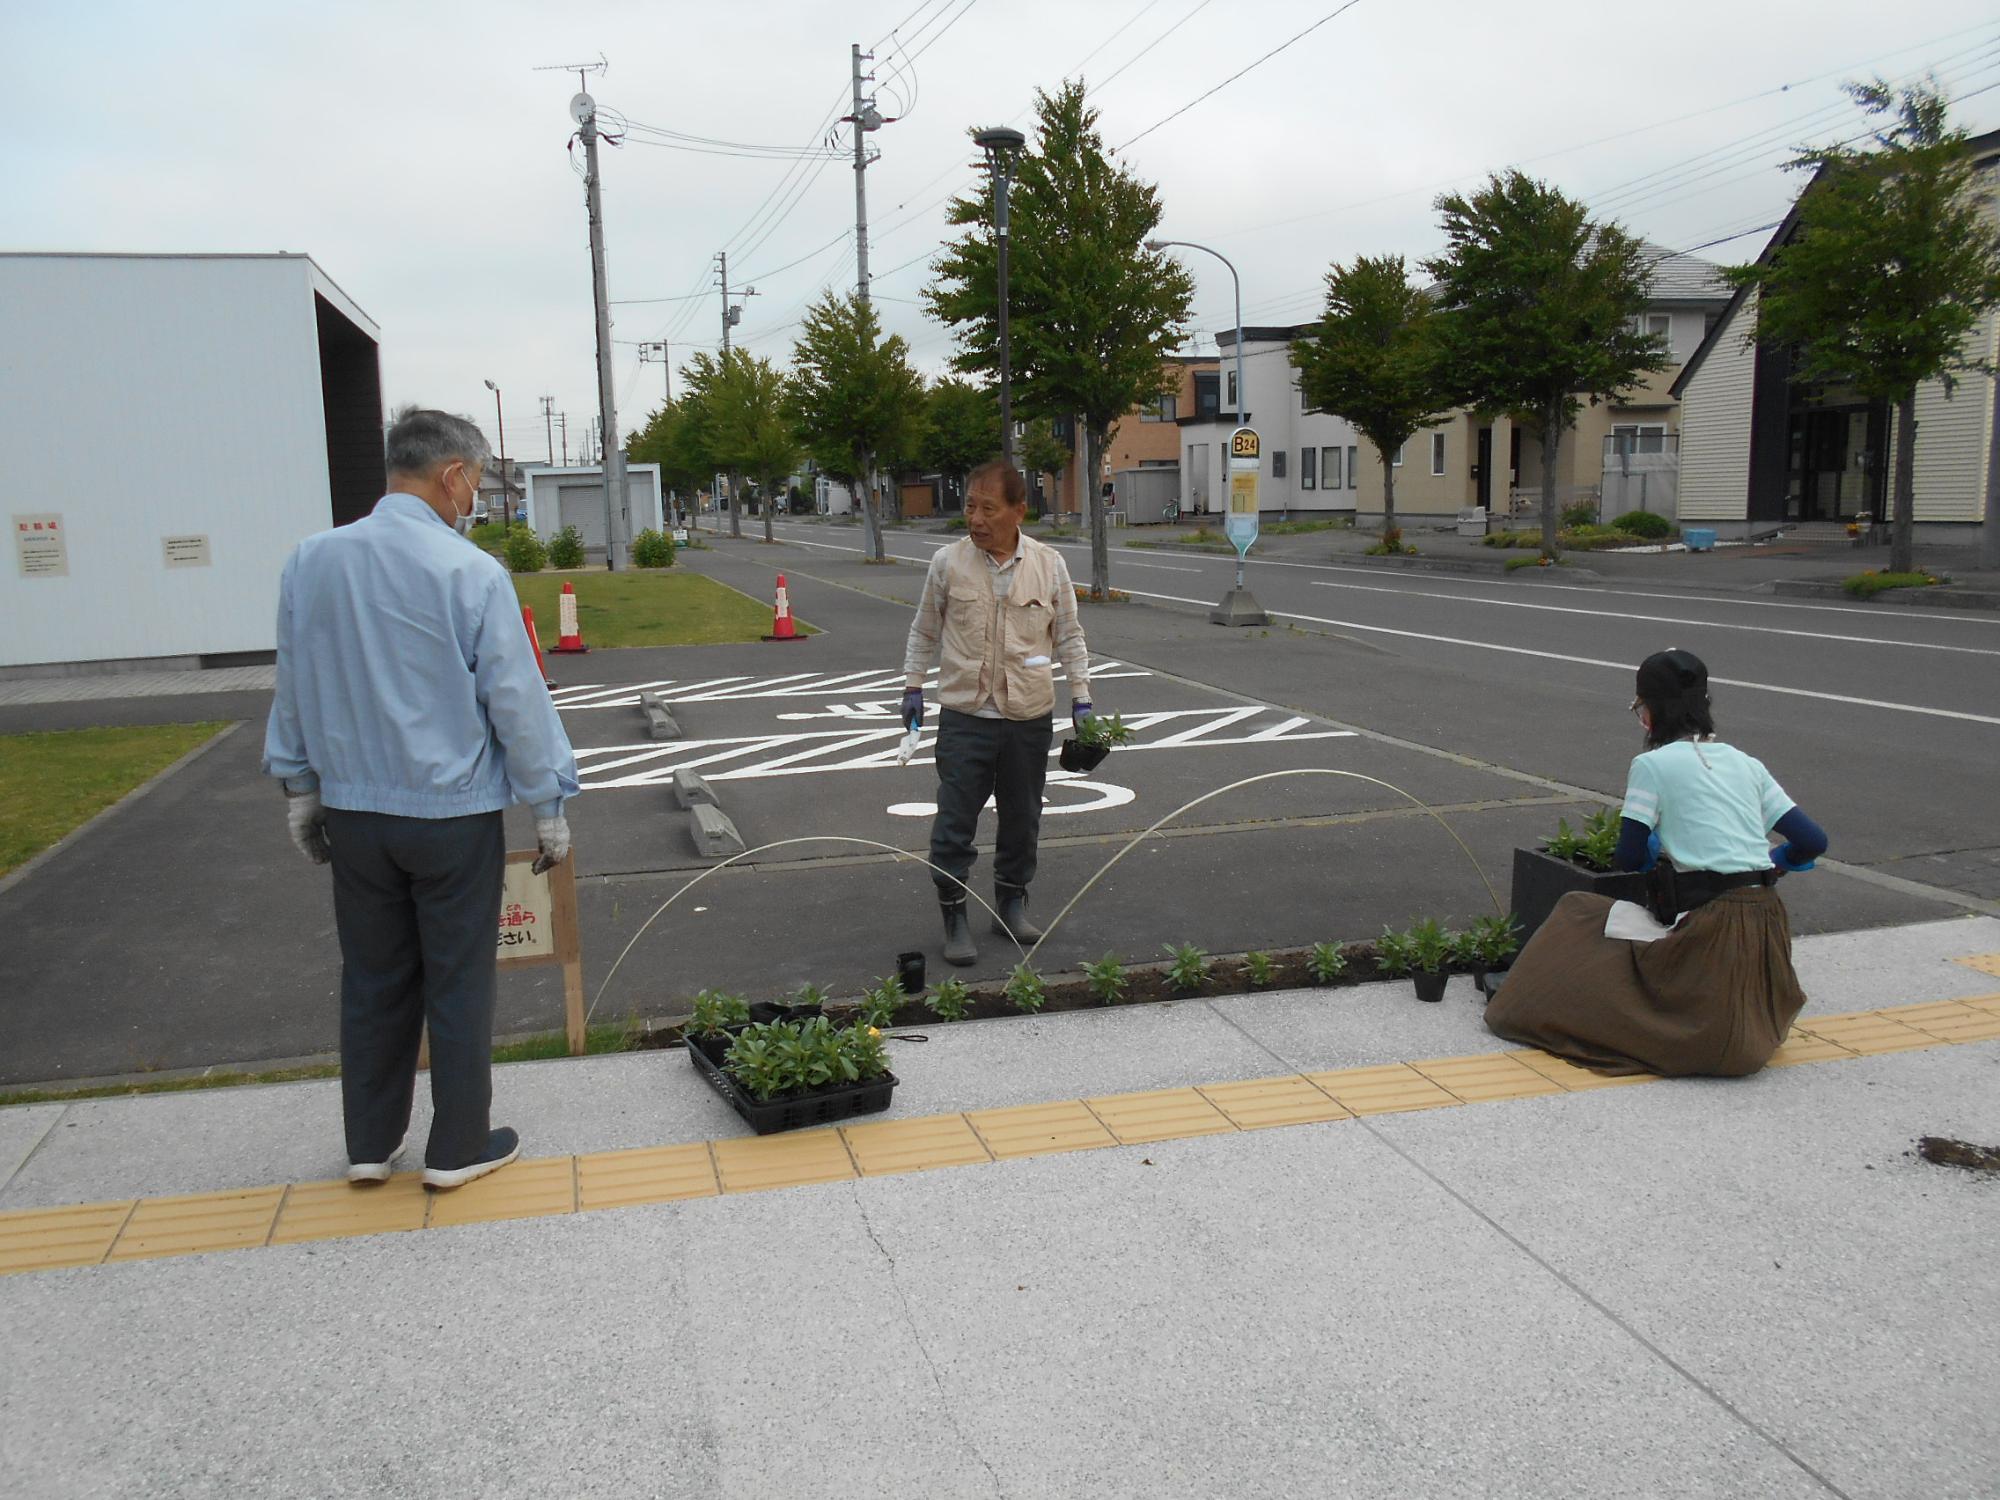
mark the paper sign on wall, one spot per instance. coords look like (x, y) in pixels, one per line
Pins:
(41, 545)
(185, 551)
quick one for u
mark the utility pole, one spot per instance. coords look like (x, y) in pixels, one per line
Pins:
(658, 349)
(506, 490)
(732, 313)
(617, 503)
(864, 119)
(548, 426)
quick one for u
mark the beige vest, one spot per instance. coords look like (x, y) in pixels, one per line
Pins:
(987, 640)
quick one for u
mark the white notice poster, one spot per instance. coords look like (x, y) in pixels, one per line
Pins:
(185, 551)
(527, 914)
(42, 546)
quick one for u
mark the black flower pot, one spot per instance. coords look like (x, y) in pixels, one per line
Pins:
(910, 971)
(1430, 987)
(765, 1011)
(1077, 756)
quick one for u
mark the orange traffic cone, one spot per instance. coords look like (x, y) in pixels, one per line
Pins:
(569, 639)
(528, 620)
(782, 628)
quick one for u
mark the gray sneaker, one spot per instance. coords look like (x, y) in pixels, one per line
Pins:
(376, 1171)
(502, 1146)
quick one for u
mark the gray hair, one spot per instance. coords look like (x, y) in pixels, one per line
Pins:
(423, 441)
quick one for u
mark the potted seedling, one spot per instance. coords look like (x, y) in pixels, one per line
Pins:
(1096, 737)
(1326, 963)
(1430, 951)
(1571, 860)
(715, 1011)
(781, 1075)
(950, 1000)
(1025, 989)
(1393, 958)
(1488, 947)
(1106, 979)
(879, 1005)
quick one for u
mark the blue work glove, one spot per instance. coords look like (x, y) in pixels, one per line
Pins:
(1782, 858)
(913, 708)
(1080, 711)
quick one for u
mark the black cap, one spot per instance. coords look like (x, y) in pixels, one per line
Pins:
(1673, 676)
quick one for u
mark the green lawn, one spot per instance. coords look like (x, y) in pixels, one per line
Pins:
(50, 783)
(646, 607)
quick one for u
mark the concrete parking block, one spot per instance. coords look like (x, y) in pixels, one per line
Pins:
(524, 1190)
(196, 1222)
(43, 1239)
(775, 1161)
(661, 725)
(650, 1174)
(1040, 1129)
(1574, 1079)
(691, 789)
(1389, 1089)
(1478, 1080)
(1158, 1115)
(887, 1146)
(1259, 1103)
(1867, 1033)
(337, 1210)
(714, 833)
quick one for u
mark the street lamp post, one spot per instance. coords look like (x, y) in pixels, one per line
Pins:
(1240, 608)
(499, 421)
(1003, 148)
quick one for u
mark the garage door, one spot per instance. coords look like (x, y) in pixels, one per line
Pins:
(583, 508)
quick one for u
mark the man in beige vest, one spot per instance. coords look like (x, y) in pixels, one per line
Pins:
(998, 609)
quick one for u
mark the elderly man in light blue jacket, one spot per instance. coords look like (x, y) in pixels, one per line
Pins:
(409, 713)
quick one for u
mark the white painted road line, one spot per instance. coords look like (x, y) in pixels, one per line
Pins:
(1594, 661)
(1607, 614)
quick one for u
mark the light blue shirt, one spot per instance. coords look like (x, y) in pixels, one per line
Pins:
(1711, 804)
(406, 683)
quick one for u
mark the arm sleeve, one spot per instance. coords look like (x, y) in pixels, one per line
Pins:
(1642, 794)
(1807, 840)
(284, 738)
(927, 629)
(1071, 649)
(541, 767)
(1633, 852)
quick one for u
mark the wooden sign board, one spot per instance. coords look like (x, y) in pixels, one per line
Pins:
(538, 926)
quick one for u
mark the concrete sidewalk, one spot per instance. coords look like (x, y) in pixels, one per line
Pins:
(1696, 1288)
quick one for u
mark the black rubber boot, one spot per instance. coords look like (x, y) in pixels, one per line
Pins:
(1013, 903)
(959, 948)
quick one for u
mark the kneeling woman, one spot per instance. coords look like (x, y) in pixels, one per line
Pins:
(1716, 993)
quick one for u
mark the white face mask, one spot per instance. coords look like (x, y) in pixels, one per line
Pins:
(463, 524)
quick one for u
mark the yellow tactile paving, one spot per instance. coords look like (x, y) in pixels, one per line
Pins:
(773, 1161)
(1803, 1047)
(1868, 1033)
(1950, 1021)
(1386, 1090)
(885, 1146)
(650, 1174)
(197, 1222)
(525, 1190)
(1573, 1079)
(44, 1239)
(1040, 1129)
(1159, 1115)
(1260, 1103)
(335, 1210)
(89, 1233)
(1485, 1078)
(1985, 963)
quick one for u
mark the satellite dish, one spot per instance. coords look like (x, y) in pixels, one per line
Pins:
(582, 107)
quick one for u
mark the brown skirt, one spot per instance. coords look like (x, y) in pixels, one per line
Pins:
(1715, 997)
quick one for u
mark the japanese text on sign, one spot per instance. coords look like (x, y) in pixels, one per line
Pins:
(527, 926)
(41, 546)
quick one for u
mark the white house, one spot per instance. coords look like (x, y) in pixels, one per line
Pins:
(1309, 456)
(173, 425)
(574, 496)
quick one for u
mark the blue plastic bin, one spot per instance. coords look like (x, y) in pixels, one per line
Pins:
(1699, 538)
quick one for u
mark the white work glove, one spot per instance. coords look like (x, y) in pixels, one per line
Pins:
(552, 835)
(306, 818)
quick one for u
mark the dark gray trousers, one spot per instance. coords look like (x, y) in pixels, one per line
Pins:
(417, 903)
(1007, 760)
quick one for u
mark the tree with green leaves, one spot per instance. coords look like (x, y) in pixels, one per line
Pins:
(699, 378)
(962, 430)
(671, 439)
(1373, 359)
(750, 424)
(1541, 308)
(1094, 313)
(854, 397)
(1890, 268)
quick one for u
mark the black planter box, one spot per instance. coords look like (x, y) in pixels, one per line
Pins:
(1541, 880)
(825, 1106)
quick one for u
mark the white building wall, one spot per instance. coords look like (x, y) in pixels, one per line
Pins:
(544, 507)
(1282, 427)
(1715, 426)
(142, 398)
(1954, 441)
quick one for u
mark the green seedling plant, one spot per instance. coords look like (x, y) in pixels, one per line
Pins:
(1188, 969)
(1491, 941)
(714, 1010)
(1326, 963)
(1259, 970)
(1430, 946)
(1025, 989)
(789, 1057)
(1393, 955)
(808, 994)
(1594, 846)
(1107, 730)
(949, 1000)
(1106, 978)
(879, 1005)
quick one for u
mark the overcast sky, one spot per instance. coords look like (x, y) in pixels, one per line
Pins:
(414, 152)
